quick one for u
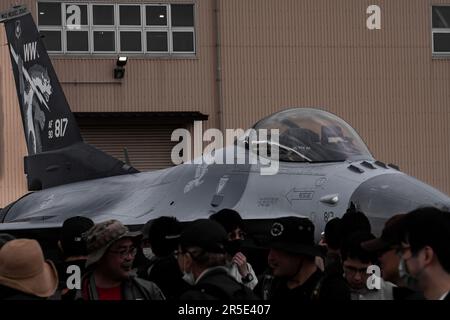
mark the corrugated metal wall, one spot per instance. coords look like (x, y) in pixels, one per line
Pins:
(150, 84)
(12, 141)
(148, 144)
(320, 53)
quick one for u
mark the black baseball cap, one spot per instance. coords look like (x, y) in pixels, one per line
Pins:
(206, 234)
(391, 236)
(72, 230)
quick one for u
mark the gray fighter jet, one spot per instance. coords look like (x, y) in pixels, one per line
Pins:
(323, 166)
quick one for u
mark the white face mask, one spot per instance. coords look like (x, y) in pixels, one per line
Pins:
(148, 253)
(188, 276)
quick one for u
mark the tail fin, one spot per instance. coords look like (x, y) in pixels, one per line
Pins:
(56, 151)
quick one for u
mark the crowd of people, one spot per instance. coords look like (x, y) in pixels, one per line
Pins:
(208, 259)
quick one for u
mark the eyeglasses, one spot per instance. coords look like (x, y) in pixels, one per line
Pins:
(123, 253)
(352, 271)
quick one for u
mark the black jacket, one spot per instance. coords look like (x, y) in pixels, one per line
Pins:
(166, 274)
(318, 287)
(217, 284)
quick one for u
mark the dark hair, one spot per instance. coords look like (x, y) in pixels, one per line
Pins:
(333, 233)
(228, 218)
(163, 234)
(351, 247)
(430, 227)
(354, 221)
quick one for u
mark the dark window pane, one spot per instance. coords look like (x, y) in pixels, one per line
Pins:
(104, 41)
(441, 17)
(182, 15)
(156, 15)
(130, 41)
(183, 41)
(103, 15)
(130, 15)
(77, 41)
(157, 41)
(71, 12)
(49, 14)
(441, 42)
(51, 39)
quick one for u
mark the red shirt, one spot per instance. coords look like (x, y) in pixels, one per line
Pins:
(109, 293)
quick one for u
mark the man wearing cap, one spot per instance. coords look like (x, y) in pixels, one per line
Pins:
(387, 247)
(292, 260)
(201, 258)
(111, 251)
(160, 241)
(24, 274)
(73, 248)
(426, 251)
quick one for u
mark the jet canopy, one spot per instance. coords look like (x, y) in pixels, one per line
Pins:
(312, 135)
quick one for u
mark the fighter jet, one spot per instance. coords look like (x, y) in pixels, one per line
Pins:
(323, 166)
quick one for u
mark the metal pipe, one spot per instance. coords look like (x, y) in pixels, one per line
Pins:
(219, 94)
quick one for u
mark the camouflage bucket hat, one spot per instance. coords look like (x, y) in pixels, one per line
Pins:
(102, 235)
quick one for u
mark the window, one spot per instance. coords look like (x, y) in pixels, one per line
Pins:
(52, 40)
(441, 30)
(107, 28)
(104, 41)
(49, 14)
(170, 28)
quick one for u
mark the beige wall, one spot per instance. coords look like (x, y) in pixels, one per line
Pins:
(280, 53)
(320, 53)
(12, 141)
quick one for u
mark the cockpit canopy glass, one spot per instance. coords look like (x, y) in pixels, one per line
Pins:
(312, 135)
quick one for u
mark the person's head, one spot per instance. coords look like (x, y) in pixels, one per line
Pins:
(232, 222)
(161, 236)
(111, 249)
(387, 246)
(291, 246)
(356, 260)
(4, 238)
(426, 248)
(23, 268)
(332, 237)
(202, 246)
(71, 240)
(354, 221)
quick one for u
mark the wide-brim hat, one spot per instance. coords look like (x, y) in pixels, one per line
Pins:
(309, 250)
(294, 235)
(22, 267)
(101, 236)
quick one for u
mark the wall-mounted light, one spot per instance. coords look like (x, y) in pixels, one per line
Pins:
(119, 71)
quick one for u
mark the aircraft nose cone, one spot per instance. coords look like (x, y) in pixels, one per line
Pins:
(386, 195)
